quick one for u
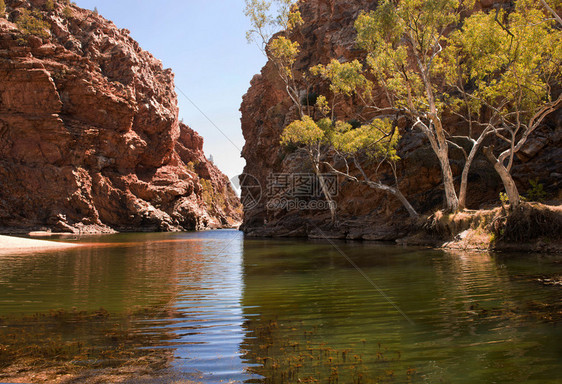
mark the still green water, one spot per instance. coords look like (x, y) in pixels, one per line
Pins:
(221, 308)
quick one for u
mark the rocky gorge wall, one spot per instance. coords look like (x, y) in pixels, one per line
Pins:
(362, 213)
(89, 134)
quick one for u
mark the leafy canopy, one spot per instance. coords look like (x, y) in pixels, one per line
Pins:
(402, 39)
(345, 78)
(284, 52)
(305, 131)
(508, 67)
(377, 140)
(268, 18)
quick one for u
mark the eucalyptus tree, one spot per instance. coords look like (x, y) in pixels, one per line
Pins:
(272, 24)
(402, 40)
(498, 65)
(375, 140)
(551, 9)
(501, 67)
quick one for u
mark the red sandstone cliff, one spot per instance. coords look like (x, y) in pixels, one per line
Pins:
(362, 213)
(89, 133)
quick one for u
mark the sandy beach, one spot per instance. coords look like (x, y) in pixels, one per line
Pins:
(10, 243)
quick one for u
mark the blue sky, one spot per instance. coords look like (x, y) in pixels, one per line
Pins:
(204, 42)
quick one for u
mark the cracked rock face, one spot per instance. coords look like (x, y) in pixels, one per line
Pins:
(363, 213)
(89, 134)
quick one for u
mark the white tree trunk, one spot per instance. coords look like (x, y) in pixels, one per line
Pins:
(439, 145)
(467, 165)
(552, 11)
(386, 188)
(451, 198)
(507, 180)
(464, 184)
(326, 192)
(395, 192)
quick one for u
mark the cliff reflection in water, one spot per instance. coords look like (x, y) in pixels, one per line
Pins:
(214, 307)
(128, 305)
(116, 276)
(312, 316)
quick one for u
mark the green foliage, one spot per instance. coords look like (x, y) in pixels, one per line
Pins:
(212, 199)
(208, 192)
(305, 131)
(284, 52)
(67, 12)
(266, 21)
(2, 8)
(190, 166)
(322, 105)
(294, 18)
(49, 5)
(536, 192)
(402, 40)
(95, 11)
(345, 78)
(288, 15)
(377, 139)
(258, 13)
(508, 67)
(31, 23)
(503, 198)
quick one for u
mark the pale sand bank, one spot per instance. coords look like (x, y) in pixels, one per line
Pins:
(9, 243)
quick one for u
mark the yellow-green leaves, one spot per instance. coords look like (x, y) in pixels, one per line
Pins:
(294, 19)
(32, 23)
(322, 105)
(304, 131)
(288, 16)
(284, 52)
(509, 67)
(281, 50)
(403, 40)
(2, 8)
(284, 49)
(377, 27)
(267, 18)
(345, 78)
(377, 139)
(258, 13)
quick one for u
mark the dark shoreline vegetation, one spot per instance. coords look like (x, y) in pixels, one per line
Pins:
(531, 227)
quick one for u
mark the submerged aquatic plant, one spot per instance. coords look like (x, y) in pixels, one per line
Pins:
(285, 352)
